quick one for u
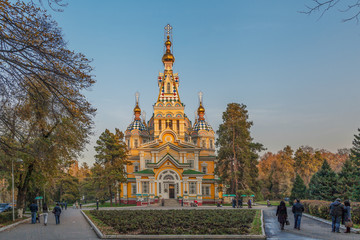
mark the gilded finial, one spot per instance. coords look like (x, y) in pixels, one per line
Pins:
(137, 109)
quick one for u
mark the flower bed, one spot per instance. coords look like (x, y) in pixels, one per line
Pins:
(179, 222)
(321, 209)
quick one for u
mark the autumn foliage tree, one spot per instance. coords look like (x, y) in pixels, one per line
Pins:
(238, 154)
(111, 159)
(44, 118)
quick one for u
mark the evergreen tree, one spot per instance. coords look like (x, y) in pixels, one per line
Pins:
(355, 150)
(110, 161)
(299, 189)
(238, 154)
(348, 179)
(324, 184)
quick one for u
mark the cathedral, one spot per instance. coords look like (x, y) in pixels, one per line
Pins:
(170, 158)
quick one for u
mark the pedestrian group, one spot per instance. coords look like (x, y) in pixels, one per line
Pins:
(338, 212)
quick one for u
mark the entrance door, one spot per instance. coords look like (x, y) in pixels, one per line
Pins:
(171, 191)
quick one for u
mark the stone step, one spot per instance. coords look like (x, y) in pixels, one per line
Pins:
(171, 203)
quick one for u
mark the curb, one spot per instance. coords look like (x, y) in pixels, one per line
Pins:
(97, 231)
(14, 224)
(329, 222)
(184, 237)
(262, 224)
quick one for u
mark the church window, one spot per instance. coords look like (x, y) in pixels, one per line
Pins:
(211, 144)
(178, 125)
(170, 124)
(145, 187)
(206, 190)
(203, 143)
(159, 187)
(128, 144)
(204, 169)
(192, 187)
(168, 88)
(194, 141)
(133, 188)
(147, 161)
(191, 162)
(177, 188)
(136, 143)
(136, 168)
(159, 125)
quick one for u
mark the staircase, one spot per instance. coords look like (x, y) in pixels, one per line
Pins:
(171, 203)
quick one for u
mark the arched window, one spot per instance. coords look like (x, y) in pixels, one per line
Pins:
(168, 88)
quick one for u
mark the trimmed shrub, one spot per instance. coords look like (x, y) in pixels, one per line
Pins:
(321, 209)
(6, 217)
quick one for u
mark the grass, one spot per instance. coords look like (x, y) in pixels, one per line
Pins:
(107, 204)
(273, 203)
(11, 222)
(178, 222)
(256, 228)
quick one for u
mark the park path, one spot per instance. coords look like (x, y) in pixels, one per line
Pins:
(72, 226)
(310, 229)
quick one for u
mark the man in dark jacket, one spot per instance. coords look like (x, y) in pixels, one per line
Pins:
(336, 212)
(57, 212)
(33, 208)
(297, 210)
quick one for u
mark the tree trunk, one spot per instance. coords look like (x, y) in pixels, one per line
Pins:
(22, 190)
(110, 191)
(235, 168)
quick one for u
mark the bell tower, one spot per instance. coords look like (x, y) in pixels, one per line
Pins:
(168, 109)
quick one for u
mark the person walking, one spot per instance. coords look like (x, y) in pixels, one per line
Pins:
(45, 213)
(336, 213)
(297, 210)
(347, 216)
(57, 211)
(33, 208)
(65, 205)
(281, 213)
(249, 203)
(239, 203)
(233, 202)
(62, 205)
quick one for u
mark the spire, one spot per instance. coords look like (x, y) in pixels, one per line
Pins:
(137, 110)
(201, 109)
(168, 59)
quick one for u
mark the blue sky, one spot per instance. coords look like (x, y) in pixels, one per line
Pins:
(298, 76)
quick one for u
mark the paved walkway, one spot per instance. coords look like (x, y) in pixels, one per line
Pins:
(72, 226)
(310, 229)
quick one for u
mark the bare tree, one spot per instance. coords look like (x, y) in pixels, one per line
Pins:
(350, 7)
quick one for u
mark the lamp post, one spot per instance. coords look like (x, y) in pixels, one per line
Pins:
(12, 179)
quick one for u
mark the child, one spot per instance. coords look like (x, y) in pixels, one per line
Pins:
(37, 217)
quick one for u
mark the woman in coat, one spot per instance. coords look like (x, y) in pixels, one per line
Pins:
(347, 216)
(281, 213)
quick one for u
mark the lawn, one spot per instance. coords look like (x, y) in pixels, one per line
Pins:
(177, 222)
(107, 204)
(273, 203)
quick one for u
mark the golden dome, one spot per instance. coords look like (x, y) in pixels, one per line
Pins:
(168, 42)
(168, 57)
(137, 109)
(201, 109)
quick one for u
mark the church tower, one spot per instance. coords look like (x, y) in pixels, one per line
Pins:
(169, 158)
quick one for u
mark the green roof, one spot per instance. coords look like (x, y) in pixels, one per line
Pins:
(192, 172)
(145, 171)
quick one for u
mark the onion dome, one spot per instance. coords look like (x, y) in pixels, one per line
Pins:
(168, 57)
(201, 109)
(137, 109)
(202, 125)
(136, 124)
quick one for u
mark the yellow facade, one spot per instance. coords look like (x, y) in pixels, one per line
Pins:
(170, 157)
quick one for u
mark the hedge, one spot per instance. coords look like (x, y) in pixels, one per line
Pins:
(6, 217)
(321, 209)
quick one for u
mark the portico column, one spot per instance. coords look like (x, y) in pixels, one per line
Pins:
(196, 162)
(152, 186)
(199, 193)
